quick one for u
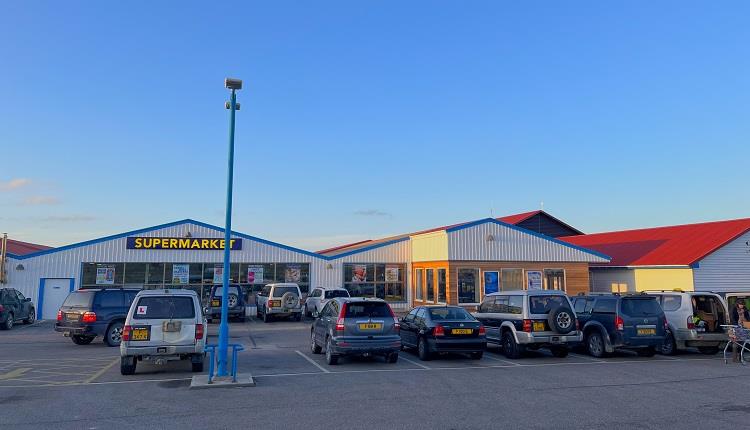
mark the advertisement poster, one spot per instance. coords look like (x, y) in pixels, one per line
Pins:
(105, 275)
(391, 274)
(293, 273)
(491, 282)
(255, 274)
(360, 273)
(180, 274)
(218, 274)
(534, 280)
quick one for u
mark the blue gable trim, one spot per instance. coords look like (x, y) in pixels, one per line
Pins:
(529, 232)
(161, 226)
(367, 248)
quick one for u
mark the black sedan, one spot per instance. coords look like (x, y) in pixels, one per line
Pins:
(436, 329)
(15, 307)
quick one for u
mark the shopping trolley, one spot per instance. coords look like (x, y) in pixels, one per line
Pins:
(739, 337)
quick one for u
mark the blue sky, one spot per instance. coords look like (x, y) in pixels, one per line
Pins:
(368, 118)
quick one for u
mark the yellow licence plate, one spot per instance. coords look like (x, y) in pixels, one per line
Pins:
(538, 325)
(140, 334)
(274, 303)
(646, 331)
(462, 331)
(370, 326)
(215, 303)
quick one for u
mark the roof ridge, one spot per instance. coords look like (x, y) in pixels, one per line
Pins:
(664, 227)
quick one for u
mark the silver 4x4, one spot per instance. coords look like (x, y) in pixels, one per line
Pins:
(520, 320)
(281, 300)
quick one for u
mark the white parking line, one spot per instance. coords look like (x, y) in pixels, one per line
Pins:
(500, 360)
(415, 363)
(665, 357)
(585, 358)
(313, 362)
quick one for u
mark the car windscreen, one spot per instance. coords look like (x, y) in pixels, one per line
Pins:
(544, 304)
(79, 299)
(367, 310)
(164, 307)
(336, 293)
(232, 290)
(450, 314)
(280, 291)
(640, 306)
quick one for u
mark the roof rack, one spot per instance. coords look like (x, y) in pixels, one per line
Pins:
(673, 290)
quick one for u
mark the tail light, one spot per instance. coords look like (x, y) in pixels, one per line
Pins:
(438, 330)
(396, 324)
(126, 332)
(527, 326)
(59, 314)
(199, 331)
(690, 323)
(482, 330)
(89, 317)
(340, 321)
(666, 325)
(578, 325)
(619, 323)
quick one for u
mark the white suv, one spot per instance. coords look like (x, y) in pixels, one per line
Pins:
(161, 326)
(319, 297)
(281, 300)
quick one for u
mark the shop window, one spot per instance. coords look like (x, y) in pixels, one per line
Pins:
(468, 286)
(183, 273)
(102, 275)
(441, 285)
(384, 281)
(294, 272)
(554, 279)
(430, 284)
(135, 274)
(155, 273)
(418, 283)
(213, 276)
(512, 279)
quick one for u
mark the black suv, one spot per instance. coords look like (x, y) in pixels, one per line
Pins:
(15, 307)
(610, 321)
(235, 303)
(86, 314)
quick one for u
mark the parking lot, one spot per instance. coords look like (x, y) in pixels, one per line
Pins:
(81, 387)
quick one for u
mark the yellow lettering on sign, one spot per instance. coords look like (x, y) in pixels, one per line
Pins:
(157, 242)
(221, 244)
(215, 244)
(231, 243)
(204, 243)
(147, 243)
(195, 244)
(138, 242)
(173, 243)
(184, 243)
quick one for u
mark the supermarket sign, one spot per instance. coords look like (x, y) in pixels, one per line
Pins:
(203, 244)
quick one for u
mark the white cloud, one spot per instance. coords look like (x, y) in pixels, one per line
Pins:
(14, 184)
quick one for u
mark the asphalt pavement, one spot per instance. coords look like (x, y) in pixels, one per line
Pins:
(48, 382)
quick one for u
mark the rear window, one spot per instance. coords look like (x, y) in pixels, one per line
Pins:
(164, 307)
(79, 299)
(544, 304)
(458, 314)
(365, 310)
(232, 290)
(640, 307)
(671, 303)
(336, 293)
(280, 291)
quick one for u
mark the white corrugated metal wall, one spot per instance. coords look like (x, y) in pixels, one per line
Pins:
(727, 269)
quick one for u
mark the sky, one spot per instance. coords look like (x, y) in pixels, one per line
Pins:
(361, 119)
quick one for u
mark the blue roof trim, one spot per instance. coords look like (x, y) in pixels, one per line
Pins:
(9, 255)
(532, 233)
(367, 248)
(160, 226)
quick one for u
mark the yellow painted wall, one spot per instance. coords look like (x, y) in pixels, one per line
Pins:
(429, 247)
(663, 279)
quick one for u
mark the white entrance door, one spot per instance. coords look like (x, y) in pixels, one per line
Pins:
(55, 292)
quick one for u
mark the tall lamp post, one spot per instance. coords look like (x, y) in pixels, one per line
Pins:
(232, 105)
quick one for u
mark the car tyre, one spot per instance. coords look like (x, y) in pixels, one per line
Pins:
(266, 317)
(392, 357)
(511, 349)
(477, 355)
(113, 336)
(708, 350)
(559, 351)
(298, 317)
(595, 345)
(8, 322)
(331, 358)
(314, 347)
(423, 350)
(127, 365)
(31, 318)
(81, 340)
(197, 366)
(307, 312)
(648, 352)
(669, 347)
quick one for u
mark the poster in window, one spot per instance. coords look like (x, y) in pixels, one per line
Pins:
(180, 274)
(491, 282)
(105, 275)
(391, 274)
(533, 280)
(255, 274)
(359, 274)
(293, 273)
(218, 273)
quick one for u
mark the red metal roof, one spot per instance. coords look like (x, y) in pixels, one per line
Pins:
(515, 219)
(22, 248)
(663, 246)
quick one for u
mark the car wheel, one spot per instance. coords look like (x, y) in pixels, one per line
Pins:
(314, 347)
(595, 345)
(113, 336)
(266, 317)
(708, 350)
(559, 351)
(298, 317)
(127, 365)
(669, 347)
(257, 311)
(331, 358)
(423, 350)
(8, 322)
(392, 357)
(649, 352)
(31, 318)
(307, 312)
(197, 366)
(81, 340)
(477, 355)
(511, 349)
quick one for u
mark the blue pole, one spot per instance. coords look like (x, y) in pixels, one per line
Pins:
(224, 326)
